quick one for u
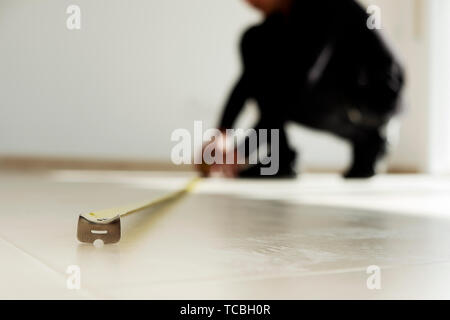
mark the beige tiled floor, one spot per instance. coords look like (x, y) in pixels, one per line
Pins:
(309, 238)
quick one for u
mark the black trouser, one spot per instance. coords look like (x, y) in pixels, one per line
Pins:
(354, 120)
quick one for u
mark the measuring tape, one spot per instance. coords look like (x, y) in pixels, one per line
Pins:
(105, 225)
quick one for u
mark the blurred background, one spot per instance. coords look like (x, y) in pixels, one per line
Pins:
(109, 96)
(111, 93)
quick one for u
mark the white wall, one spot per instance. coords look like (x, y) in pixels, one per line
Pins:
(139, 69)
(439, 86)
(118, 87)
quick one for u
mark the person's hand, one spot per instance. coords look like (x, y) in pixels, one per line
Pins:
(220, 146)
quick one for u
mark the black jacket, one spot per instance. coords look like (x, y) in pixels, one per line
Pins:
(322, 48)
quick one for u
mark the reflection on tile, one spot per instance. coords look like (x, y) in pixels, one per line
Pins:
(24, 277)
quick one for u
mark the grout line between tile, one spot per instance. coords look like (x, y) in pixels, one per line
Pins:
(45, 265)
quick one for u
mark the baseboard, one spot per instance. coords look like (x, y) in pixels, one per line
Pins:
(61, 163)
